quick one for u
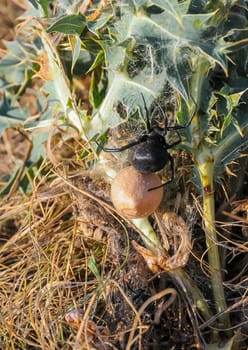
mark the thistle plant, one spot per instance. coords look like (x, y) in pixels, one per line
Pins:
(134, 50)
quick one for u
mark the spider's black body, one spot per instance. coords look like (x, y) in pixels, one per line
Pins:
(149, 152)
(150, 155)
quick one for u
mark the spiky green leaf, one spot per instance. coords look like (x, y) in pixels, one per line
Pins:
(71, 24)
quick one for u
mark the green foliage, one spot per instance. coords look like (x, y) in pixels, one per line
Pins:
(43, 4)
(147, 46)
(16, 67)
(71, 24)
(139, 47)
(8, 120)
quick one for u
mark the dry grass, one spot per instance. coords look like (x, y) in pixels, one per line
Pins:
(69, 278)
(49, 265)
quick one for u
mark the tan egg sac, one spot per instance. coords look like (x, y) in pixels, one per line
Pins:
(130, 195)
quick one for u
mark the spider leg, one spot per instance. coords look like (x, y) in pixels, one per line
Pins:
(123, 148)
(171, 160)
(176, 127)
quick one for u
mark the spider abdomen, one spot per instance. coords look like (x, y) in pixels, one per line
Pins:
(149, 157)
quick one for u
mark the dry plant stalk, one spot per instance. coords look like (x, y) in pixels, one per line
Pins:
(178, 238)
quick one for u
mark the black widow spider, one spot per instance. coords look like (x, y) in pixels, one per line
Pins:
(151, 152)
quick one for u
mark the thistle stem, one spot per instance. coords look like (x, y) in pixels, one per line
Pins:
(189, 287)
(205, 165)
(205, 161)
(178, 275)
